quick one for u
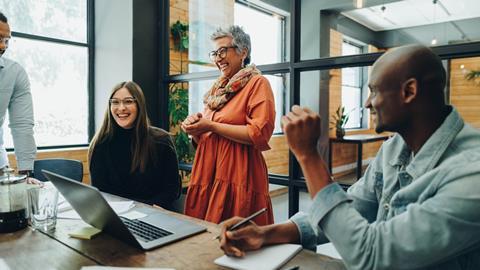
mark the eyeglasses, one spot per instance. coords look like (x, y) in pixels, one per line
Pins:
(221, 53)
(5, 40)
(127, 102)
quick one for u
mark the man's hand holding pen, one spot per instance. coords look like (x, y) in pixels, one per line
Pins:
(235, 243)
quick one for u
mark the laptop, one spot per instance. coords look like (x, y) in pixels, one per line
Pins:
(154, 230)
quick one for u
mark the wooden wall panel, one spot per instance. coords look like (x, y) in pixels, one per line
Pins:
(178, 60)
(465, 95)
(277, 157)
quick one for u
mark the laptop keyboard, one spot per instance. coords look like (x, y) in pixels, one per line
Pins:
(144, 230)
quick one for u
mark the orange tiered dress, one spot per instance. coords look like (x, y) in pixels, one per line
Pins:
(229, 178)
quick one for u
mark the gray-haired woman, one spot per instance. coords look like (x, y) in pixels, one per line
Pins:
(229, 176)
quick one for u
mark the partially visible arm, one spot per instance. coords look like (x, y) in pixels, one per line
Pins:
(421, 235)
(191, 119)
(313, 167)
(236, 133)
(302, 130)
(281, 233)
(260, 118)
(21, 122)
(253, 237)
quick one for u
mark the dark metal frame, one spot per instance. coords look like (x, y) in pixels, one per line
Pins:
(90, 45)
(294, 181)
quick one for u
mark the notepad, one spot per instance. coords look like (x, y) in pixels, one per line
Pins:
(329, 250)
(266, 258)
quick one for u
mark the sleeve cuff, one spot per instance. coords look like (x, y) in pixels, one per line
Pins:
(256, 136)
(25, 165)
(325, 200)
(307, 234)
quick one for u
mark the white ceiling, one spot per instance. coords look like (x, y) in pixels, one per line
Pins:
(410, 13)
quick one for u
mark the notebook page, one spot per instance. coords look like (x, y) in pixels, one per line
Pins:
(266, 258)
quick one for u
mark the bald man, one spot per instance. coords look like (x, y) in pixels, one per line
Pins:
(417, 206)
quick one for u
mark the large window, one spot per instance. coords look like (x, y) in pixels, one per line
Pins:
(50, 42)
(352, 83)
(267, 32)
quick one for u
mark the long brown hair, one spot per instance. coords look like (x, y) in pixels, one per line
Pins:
(142, 144)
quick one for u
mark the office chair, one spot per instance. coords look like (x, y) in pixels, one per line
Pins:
(178, 204)
(70, 168)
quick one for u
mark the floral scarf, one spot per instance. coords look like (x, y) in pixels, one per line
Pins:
(224, 89)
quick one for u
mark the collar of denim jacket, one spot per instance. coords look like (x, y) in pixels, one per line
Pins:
(434, 148)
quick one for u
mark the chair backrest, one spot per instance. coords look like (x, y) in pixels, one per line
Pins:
(70, 168)
(178, 204)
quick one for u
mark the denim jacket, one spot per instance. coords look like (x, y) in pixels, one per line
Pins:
(420, 213)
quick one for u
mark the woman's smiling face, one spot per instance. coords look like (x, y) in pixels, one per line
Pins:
(124, 108)
(232, 62)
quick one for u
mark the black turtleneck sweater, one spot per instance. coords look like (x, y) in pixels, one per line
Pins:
(110, 167)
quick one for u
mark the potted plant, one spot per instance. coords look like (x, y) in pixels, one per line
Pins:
(179, 33)
(340, 119)
(473, 75)
(178, 111)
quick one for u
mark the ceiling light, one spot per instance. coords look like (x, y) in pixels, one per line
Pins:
(434, 41)
(383, 9)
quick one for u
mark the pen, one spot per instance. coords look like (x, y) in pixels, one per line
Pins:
(244, 221)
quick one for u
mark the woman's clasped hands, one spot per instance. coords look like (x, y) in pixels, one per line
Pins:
(196, 125)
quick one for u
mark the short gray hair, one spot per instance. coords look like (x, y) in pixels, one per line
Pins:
(239, 39)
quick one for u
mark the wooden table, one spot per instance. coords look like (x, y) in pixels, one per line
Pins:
(36, 250)
(27, 249)
(359, 140)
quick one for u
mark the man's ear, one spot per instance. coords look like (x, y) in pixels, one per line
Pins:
(409, 90)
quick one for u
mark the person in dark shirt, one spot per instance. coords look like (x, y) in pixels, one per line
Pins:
(130, 158)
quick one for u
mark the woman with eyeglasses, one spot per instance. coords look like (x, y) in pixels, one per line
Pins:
(229, 175)
(129, 157)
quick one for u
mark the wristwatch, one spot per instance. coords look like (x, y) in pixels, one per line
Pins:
(28, 173)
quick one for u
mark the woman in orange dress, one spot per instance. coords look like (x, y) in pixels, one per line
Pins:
(229, 176)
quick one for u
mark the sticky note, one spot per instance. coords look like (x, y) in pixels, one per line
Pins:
(85, 233)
